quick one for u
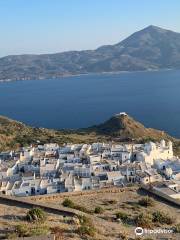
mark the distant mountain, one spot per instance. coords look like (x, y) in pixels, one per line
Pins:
(152, 48)
(118, 128)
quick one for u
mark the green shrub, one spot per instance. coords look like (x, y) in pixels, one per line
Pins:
(22, 230)
(86, 226)
(162, 218)
(12, 235)
(84, 220)
(36, 214)
(143, 220)
(98, 210)
(123, 216)
(39, 230)
(135, 207)
(177, 228)
(86, 230)
(68, 203)
(146, 202)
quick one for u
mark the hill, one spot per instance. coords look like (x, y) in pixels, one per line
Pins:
(14, 134)
(123, 127)
(152, 48)
(118, 128)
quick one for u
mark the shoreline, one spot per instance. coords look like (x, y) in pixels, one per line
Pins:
(88, 74)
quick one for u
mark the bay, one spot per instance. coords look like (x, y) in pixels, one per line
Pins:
(152, 98)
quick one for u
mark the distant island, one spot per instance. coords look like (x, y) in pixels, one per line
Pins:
(152, 48)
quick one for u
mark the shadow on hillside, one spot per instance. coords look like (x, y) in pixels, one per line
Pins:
(12, 217)
(143, 192)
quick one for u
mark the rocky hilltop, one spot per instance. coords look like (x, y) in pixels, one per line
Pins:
(123, 127)
(152, 48)
(120, 127)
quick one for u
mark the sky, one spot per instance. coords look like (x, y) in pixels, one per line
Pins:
(48, 26)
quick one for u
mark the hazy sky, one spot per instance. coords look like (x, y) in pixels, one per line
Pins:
(44, 26)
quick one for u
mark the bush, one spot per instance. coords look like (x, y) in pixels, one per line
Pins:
(98, 210)
(86, 230)
(36, 214)
(143, 220)
(86, 226)
(162, 218)
(12, 235)
(123, 216)
(146, 202)
(84, 220)
(68, 203)
(177, 228)
(22, 230)
(39, 230)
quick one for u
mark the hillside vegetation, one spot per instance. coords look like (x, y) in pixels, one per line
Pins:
(14, 134)
(118, 128)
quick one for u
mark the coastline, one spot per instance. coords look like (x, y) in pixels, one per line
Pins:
(88, 74)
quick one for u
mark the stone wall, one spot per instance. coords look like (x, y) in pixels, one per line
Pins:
(27, 203)
(161, 195)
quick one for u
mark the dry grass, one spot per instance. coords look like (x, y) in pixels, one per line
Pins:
(106, 223)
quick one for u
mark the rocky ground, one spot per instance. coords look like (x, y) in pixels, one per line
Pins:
(105, 224)
(126, 202)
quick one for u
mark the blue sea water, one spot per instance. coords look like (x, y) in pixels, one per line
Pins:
(152, 98)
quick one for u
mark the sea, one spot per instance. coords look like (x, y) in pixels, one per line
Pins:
(152, 98)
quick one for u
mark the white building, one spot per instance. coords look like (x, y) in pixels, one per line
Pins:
(153, 151)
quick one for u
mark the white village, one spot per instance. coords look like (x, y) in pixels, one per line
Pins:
(50, 168)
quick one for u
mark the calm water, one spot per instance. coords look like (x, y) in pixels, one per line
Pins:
(151, 97)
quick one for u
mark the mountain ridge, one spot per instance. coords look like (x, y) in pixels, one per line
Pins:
(151, 48)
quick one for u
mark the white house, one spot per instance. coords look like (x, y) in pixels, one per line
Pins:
(152, 152)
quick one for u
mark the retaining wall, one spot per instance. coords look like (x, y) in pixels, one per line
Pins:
(26, 203)
(161, 195)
